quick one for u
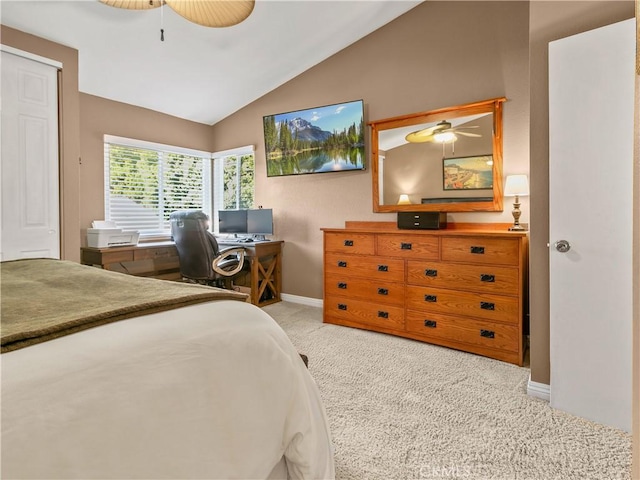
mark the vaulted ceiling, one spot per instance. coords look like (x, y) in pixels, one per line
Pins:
(198, 73)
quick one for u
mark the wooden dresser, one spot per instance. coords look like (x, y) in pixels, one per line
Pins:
(464, 287)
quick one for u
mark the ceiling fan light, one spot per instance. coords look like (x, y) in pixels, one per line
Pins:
(444, 137)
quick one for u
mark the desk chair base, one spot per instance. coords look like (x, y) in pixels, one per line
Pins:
(225, 283)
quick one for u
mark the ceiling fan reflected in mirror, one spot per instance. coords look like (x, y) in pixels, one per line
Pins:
(442, 132)
(208, 13)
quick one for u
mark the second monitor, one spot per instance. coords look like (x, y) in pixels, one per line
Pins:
(254, 222)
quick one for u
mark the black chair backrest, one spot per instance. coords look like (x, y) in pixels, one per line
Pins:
(196, 245)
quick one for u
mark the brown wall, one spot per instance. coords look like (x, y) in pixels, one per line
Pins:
(69, 132)
(550, 21)
(101, 116)
(437, 55)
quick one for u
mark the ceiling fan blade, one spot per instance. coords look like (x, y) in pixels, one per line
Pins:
(426, 134)
(133, 4)
(470, 126)
(467, 134)
(213, 13)
(414, 138)
(421, 136)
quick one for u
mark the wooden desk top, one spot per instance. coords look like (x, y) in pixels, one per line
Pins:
(170, 243)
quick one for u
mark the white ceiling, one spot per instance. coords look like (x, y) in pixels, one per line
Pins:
(198, 73)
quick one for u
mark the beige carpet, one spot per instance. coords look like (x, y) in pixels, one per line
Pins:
(401, 409)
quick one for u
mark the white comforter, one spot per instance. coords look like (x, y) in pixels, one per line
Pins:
(210, 391)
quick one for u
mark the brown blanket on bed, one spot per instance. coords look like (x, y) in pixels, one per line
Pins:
(43, 299)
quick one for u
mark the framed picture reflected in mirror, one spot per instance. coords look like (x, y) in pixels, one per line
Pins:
(468, 173)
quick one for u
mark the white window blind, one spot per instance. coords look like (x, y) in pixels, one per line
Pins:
(145, 182)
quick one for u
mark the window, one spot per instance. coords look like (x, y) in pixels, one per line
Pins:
(234, 174)
(145, 182)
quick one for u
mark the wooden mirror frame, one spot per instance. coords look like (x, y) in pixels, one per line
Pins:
(487, 106)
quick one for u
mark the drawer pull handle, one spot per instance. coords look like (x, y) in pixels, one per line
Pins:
(477, 250)
(430, 323)
(382, 314)
(383, 291)
(342, 263)
(430, 273)
(430, 298)
(485, 277)
(487, 306)
(487, 334)
(342, 306)
(383, 268)
(405, 246)
(342, 285)
(348, 243)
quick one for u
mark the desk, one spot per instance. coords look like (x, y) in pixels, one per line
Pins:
(160, 260)
(265, 259)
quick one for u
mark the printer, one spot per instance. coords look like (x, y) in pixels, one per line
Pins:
(106, 233)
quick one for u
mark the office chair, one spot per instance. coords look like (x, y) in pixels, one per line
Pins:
(201, 260)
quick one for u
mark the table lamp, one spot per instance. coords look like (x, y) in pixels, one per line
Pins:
(516, 186)
(404, 200)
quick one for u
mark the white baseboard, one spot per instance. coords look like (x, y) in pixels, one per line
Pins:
(538, 390)
(312, 302)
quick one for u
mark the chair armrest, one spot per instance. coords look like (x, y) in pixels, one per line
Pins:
(217, 262)
(225, 252)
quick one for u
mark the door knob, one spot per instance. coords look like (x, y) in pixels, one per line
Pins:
(562, 246)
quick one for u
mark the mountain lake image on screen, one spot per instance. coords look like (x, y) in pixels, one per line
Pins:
(317, 140)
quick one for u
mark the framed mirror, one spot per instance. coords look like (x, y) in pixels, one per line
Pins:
(447, 160)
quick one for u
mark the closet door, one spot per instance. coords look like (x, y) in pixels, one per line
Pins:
(29, 172)
(591, 110)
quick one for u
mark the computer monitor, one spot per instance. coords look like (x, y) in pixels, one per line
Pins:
(232, 221)
(260, 221)
(254, 223)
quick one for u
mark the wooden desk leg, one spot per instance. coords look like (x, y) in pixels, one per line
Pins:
(266, 277)
(278, 275)
(255, 294)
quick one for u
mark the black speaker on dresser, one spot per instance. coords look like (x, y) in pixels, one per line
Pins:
(422, 220)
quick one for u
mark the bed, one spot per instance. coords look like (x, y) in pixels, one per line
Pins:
(199, 387)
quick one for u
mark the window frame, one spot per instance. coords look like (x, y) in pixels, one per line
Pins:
(162, 149)
(218, 179)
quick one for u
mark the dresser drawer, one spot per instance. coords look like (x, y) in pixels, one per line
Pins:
(365, 266)
(481, 278)
(480, 305)
(376, 291)
(357, 243)
(497, 251)
(464, 330)
(408, 246)
(364, 312)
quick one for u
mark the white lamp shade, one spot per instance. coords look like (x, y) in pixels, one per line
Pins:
(404, 199)
(516, 185)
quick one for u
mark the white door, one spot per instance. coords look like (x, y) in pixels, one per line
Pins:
(591, 109)
(29, 205)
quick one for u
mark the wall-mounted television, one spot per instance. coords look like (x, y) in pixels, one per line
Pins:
(255, 223)
(316, 140)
